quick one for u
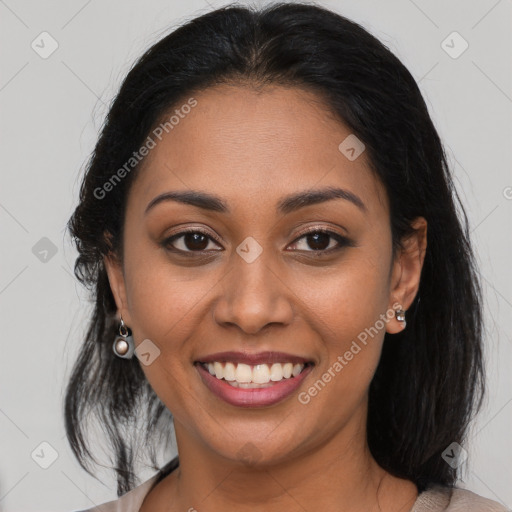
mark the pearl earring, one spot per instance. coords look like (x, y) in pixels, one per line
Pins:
(123, 346)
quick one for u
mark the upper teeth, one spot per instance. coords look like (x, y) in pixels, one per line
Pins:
(258, 374)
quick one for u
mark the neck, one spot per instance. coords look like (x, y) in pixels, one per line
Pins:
(339, 475)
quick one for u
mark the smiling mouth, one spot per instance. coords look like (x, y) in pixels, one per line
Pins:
(241, 375)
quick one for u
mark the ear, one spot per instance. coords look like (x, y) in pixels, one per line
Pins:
(115, 274)
(406, 272)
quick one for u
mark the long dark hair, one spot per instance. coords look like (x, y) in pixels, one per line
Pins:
(430, 379)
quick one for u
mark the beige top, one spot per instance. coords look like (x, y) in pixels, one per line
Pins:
(435, 499)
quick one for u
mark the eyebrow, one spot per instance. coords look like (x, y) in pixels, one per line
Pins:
(286, 205)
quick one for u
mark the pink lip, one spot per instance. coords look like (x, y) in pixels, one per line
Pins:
(256, 397)
(253, 359)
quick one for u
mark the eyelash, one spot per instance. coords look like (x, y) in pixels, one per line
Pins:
(342, 241)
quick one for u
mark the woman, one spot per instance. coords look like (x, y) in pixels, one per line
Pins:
(268, 226)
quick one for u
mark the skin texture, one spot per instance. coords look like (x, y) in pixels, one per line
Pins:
(252, 148)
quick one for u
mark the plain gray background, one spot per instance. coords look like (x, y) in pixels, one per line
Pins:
(51, 110)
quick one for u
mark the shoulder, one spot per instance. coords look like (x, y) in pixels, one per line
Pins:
(129, 502)
(462, 499)
(454, 499)
(132, 500)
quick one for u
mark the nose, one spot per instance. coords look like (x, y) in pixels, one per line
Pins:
(253, 296)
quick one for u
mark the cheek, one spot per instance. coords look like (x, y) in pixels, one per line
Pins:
(348, 311)
(164, 299)
(166, 308)
(347, 300)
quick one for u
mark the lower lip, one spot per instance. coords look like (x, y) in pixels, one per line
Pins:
(253, 397)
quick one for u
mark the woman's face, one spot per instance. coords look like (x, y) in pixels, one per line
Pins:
(251, 281)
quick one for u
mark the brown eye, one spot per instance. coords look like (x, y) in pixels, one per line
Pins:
(195, 241)
(190, 241)
(320, 240)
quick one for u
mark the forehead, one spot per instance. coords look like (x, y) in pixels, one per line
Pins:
(254, 146)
